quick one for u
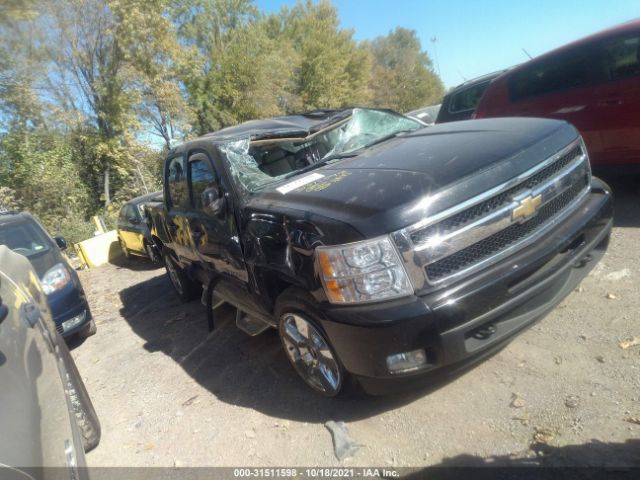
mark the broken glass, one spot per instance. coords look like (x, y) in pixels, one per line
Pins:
(254, 165)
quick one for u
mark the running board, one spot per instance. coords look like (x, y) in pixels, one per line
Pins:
(250, 325)
(216, 301)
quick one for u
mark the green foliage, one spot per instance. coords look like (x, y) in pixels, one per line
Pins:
(156, 60)
(145, 177)
(44, 180)
(333, 70)
(85, 84)
(20, 64)
(206, 28)
(74, 230)
(250, 81)
(403, 78)
(8, 199)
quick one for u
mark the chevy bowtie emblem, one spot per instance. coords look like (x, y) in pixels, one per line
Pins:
(527, 207)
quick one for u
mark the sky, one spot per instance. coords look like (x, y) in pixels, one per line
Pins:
(477, 37)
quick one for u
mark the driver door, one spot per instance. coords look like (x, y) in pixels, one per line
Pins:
(212, 226)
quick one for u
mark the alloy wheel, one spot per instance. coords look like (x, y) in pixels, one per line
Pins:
(173, 275)
(310, 354)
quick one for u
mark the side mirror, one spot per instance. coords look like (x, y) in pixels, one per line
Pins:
(61, 242)
(213, 200)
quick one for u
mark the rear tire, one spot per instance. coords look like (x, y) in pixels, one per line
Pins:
(186, 288)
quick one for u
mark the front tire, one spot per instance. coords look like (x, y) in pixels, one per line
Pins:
(125, 250)
(306, 346)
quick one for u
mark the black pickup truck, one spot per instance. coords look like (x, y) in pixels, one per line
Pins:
(382, 251)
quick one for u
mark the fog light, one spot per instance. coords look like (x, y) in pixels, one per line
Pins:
(406, 362)
(74, 321)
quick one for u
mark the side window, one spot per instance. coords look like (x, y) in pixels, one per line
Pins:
(176, 182)
(200, 178)
(126, 213)
(622, 56)
(468, 99)
(562, 72)
(123, 214)
(135, 212)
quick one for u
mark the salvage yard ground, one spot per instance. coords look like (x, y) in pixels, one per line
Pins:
(168, 393)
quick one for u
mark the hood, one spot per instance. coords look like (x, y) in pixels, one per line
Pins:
(408, 178)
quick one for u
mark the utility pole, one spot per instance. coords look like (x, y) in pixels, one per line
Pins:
(144, 184)
(434, 39)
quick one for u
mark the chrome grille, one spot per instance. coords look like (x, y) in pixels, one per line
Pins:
(59, 328)
(484, 229)
(501, 240)
(467, 216)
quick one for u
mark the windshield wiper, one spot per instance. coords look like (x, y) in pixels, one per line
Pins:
(337, 156)
(320, 163)
(387, 137)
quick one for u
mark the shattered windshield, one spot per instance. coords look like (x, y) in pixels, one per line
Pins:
(257, 164)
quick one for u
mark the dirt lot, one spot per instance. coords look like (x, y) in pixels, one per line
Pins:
(169, 394)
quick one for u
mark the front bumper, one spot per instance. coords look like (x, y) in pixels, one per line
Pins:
(468, 321)
(74, 323)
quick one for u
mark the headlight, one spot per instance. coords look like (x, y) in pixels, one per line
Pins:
(55, 278)
(365, 271)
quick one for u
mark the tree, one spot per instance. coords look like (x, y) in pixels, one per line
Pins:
(122, 60)
(207, 27)
(20, 65)
(44, 180)
(8, 199)
(253, 76)
(84, 44)
(150, 45)
(402, 77)
(85, 85)
(334, 69)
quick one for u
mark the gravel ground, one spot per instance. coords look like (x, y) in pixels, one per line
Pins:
(564, 392)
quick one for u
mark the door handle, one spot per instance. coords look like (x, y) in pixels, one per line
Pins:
(30, 313)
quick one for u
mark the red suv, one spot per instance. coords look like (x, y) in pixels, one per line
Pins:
(593, 83)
